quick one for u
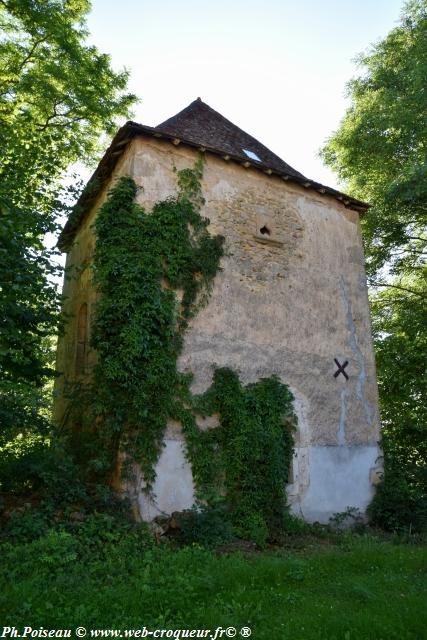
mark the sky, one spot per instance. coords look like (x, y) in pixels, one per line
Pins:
(277, 69)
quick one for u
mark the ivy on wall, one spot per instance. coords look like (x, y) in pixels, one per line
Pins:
(152, 272)
(246, 458)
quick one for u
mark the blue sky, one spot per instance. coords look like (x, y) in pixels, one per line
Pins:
(276, 69)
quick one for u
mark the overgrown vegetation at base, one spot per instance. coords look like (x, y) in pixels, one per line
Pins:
(43, 492)
(246, 458)
(400, 503)
(77, 558)
(356, 588)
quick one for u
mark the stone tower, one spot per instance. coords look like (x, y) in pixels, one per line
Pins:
(291, 300)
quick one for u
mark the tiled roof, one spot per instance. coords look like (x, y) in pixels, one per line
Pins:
(202, 125)
(199, 126)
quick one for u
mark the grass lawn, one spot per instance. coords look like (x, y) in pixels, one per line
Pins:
(355, 589)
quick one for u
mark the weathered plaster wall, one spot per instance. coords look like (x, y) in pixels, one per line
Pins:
(287, 302)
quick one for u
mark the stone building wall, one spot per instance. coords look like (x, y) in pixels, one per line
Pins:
(290, 300)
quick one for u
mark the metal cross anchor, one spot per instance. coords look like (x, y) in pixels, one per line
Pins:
(340, 369)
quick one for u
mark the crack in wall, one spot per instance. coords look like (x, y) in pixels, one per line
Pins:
(354, 345)
(343, 415)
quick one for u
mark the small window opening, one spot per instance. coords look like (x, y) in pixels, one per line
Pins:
(265, 231)
(81, 346)
(252, 155)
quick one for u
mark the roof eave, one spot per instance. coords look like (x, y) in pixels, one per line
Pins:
(131, 130)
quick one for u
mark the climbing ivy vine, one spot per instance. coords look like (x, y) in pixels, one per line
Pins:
(152, 271)
(246, 458)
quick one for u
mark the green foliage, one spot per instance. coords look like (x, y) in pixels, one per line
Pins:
(140, 260)
(57, 549)
(23, 461)
(247, 457)
(23, 409)
(28, 316)
(97, 517)
(350, 518)
(401, 352)
(364, 590)
(27, 298)
(41, 487)
(379, 152)
(209, 526)
(399, 504)
(57, 95)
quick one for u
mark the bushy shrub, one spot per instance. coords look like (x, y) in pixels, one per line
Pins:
(399, 505)
(43, 488)
(207, 526)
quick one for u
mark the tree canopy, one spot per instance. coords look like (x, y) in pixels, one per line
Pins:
(57, 95)
(380, 150)
(380, 154)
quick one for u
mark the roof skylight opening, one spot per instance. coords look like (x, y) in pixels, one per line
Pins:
(252, 155)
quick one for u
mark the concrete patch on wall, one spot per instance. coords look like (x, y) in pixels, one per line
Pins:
(340, 477)
(301, 410)
(299, 479)
(324, 480)
(173, 488)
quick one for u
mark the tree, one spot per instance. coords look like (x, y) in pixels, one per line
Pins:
(380, 154)
(57, 95)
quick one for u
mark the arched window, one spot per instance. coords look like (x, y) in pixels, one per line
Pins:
(81, 346)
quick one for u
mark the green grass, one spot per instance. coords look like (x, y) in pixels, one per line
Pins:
(357, 589)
